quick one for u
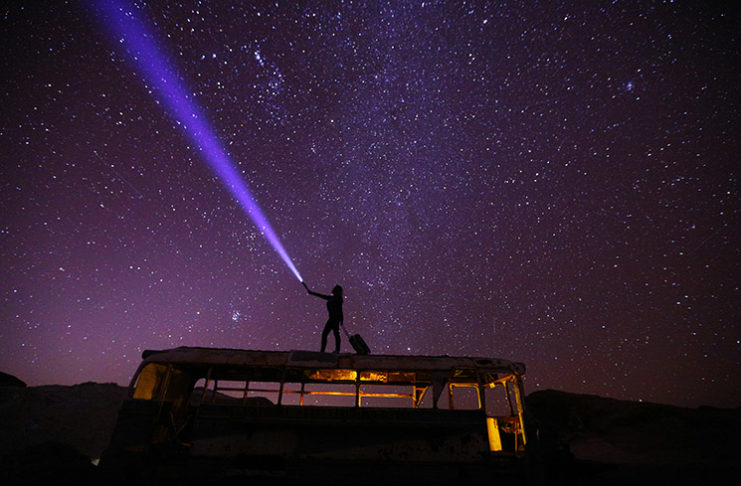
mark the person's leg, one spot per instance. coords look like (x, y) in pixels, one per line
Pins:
(325, 332)
(336, 330)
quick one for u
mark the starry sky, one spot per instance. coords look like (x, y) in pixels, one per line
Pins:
(546, 182)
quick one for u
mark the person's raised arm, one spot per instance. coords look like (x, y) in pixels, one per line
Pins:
(317, 294)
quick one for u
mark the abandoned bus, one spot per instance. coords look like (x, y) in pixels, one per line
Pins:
(203, 414)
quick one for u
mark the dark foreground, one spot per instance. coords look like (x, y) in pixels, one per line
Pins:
(50, 434)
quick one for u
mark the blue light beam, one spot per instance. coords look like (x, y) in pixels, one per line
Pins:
(132, 35)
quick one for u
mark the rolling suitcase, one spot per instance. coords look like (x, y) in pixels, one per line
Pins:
(357, 342)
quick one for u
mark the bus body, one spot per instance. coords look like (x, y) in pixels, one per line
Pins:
(301, 417)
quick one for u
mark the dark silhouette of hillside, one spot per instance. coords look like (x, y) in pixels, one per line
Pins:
(10, 380)
(81, 416)
(622, 442)
(50, 434)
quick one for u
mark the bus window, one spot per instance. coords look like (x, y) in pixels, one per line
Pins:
(262, 392)
(465, 398)
(424, 395)
(291, 394)
(223, 392)
(178, 387)
(228, 391)
(386, 396)
(149, 382)
(329, 395)
(231, 392)
(500, 400)
(200, 394)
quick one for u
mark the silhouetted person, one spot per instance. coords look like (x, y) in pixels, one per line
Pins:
(334, 306)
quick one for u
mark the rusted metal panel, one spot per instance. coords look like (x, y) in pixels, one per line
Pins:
(314, 360)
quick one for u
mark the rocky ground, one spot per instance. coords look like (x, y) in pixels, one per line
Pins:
(49, 433)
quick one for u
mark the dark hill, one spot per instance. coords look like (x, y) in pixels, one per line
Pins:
(80, 416)
(10, 380)
(609, 430)
(622, 442)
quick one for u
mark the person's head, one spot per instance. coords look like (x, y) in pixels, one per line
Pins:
(337, 290)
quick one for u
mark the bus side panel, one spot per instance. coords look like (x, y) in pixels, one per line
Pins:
(135, 425)
(341, 433)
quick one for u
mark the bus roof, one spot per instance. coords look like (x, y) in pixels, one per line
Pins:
(198, 356)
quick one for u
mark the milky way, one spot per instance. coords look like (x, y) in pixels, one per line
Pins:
(551, 183)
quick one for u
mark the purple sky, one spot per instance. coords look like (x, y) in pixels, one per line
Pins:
(552, 184)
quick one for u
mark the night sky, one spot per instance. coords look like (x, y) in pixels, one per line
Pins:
(549, 183)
